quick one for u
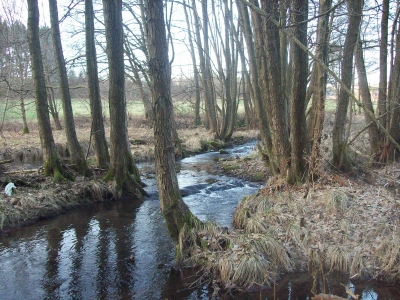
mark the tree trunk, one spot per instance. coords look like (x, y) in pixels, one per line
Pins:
(75, 150)
(299, 59)
(52, 165)
(97, 130)
(319, 79)
(197, 120)
(365, 94)
(273, 93)
(255, 54)
(25, 129)
(394, 95)
(207, 74)
(339, 149)
(230, 97)
(53, 108)
(174, 210)
(383, 72)
(135, 66)
(122, 171)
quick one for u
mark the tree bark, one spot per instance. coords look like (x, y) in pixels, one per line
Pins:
(394, 95)
(365, 94)
(96, 110)
(174, 210)
(255, 54)
(318, 81)
(230, 97)
(197, 120)
(383, 72)
(299, 60)
(122, 171)
(52, 164)
(339, 149)
(75, 150)
(274, 93)
(207, 74)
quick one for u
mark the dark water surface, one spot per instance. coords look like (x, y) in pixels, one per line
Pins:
(121, 250)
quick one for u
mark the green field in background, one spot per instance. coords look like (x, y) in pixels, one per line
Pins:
(81, 107)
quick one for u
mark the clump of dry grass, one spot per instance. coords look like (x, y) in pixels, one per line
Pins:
(389, 255)
(357, 263)
(252, 270)
(336, 200)
(337, 258)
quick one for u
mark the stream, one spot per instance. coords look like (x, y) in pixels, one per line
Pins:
(121, 249)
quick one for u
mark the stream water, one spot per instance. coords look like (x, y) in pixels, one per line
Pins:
(121, 250)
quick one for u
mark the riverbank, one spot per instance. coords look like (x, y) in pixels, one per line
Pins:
(338, 223)
(37, 196)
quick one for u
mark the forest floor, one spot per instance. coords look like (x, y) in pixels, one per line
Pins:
(338, 222)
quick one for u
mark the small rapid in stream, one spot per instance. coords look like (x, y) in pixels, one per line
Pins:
(121, 250)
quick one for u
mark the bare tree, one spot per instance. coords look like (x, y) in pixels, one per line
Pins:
(196, 77)
(383, 61)
(299, 71)
(52, 164)
(339, 148)
(122, 171)
(174, 210)
(97, 130)
(75, 150)
(373, 130)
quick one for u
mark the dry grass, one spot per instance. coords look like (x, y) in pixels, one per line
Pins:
(337, 258)
(389, 255)
(333, 225)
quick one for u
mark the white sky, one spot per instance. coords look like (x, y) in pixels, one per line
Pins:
(17, 9)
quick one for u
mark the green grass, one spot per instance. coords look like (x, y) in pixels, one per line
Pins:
(80, 107)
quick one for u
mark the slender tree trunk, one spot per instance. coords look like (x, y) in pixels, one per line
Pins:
(52, 164)
(256, 57)
(206, 92)
(230, 99)
(23, 112)
(299, 59)
(174, 210)
(283, 46)
(122, 171)
(75, 150)
(319, 79)
(197, 120)
(394, 96)
(273, 93)
(96, 110)
(365, 94)
(22, 103)
(207, 74)
(383, 72)
(138, 81)
(53, 109)
(339, 149)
